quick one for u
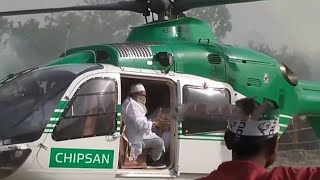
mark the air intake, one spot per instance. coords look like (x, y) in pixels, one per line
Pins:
(253, 82)
(135, 50)
(214, 59)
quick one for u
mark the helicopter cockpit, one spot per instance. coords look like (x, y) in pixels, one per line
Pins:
(28, 100)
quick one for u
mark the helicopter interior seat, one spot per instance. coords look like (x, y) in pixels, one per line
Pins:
(125, 162)
(97, 123)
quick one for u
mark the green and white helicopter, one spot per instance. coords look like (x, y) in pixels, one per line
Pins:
(63, 120)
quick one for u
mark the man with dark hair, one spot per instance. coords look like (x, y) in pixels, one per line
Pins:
(254, 145)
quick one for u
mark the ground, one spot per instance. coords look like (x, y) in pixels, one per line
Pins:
(298, 158)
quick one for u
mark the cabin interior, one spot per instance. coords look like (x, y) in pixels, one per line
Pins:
(160, 94)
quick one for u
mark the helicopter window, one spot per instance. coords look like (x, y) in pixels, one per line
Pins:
(28, 101)
(203, 109)
(92, 111)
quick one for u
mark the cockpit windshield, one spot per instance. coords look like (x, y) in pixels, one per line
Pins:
(28, 101)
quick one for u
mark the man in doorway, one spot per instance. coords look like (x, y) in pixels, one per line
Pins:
(139, 129)
(164, 131)
(163, 113)
(254, 142)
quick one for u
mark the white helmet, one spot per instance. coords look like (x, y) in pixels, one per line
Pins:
(137, 88)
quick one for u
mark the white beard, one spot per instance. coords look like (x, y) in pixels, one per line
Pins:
(142, 102)
(144, 108)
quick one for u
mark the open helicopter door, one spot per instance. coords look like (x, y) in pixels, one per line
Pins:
(201, 139)
(161, 99)
(83, 134)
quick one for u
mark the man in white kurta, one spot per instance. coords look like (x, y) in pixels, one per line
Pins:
(138, 128)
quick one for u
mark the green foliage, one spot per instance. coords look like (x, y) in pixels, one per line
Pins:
(296, 61)
(37, 42)
(4, 26)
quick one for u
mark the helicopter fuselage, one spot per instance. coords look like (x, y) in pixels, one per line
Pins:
(181, 52)
(71, 125)
(64, 120)
(188, 46)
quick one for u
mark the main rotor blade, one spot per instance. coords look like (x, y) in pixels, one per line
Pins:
(183, 5)
(134, 6)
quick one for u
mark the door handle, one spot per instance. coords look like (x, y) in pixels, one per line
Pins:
(112, 137)
(42, 145)
(19, 147)
(115, 136)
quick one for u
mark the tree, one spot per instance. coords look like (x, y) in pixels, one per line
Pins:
(218, 17)
(297, 61)
(37, 43)
(4, 26)
(120, 21)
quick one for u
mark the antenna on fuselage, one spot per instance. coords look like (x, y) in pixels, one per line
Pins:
(67, 40)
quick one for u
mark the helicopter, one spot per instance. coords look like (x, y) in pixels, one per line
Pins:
(63, 120)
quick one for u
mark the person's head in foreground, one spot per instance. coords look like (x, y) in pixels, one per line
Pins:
(254, 138)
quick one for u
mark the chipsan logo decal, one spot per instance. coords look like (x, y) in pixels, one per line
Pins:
(81, 158)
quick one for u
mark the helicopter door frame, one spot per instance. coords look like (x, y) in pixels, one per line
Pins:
(207, 150)
(170, 81)
(84, 157)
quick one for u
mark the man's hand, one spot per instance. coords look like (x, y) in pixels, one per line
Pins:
(162, 122)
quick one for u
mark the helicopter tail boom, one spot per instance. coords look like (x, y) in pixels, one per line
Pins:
(309, 99)
(308, 103)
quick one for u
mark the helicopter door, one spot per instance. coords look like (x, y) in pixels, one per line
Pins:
(201, 139)
(85, 130)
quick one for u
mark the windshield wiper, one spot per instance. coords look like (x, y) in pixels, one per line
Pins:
(11, 77)
(6, 78)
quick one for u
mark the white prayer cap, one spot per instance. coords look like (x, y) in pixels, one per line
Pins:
(263, 121)
(267, 128)
(137, 88)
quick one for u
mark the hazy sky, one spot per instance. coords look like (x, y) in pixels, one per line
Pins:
(277, 22)
(292, 22)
